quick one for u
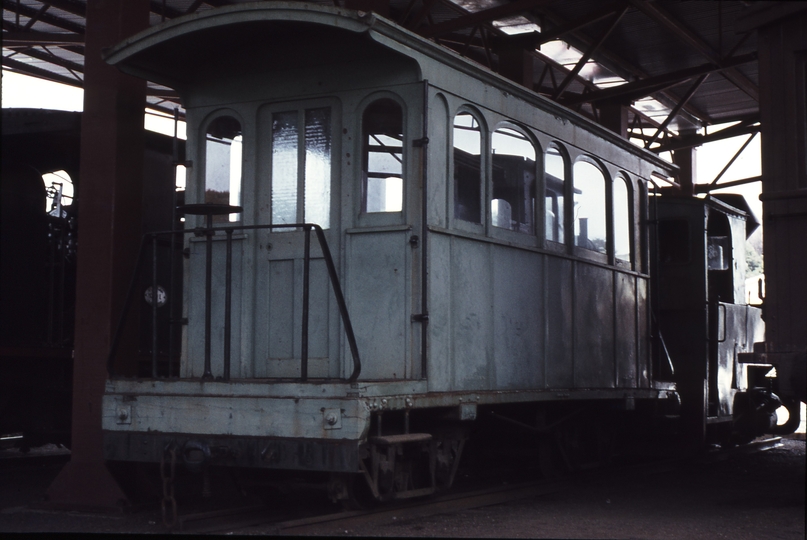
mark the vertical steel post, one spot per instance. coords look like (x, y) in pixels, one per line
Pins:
(424, 233)
(306, 279)
(110, 192)
(208, 291)
(228, 294)
(172, 272)
(154, 298)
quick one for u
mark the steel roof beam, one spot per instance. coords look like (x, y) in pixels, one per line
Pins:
(589, 53)
(557, 31)
(677, 108)
(30, 39)
(625, 69)
(39, 73)
(707, 188)
(47, 18)
(193, 7)
(714, 182)
(480, 17)
(459, 43)
(69, 6)
(658, 14)
(698, 140)
(36, 17)
(628, 92)
(160, 7)
(53, 59)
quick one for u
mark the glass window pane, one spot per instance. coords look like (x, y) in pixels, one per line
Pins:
(223, 143)
(589, 207)
(284, 167)
(384, 162)
(555, 178)
(382, 125)
(513, 199)
(467, 168)
(622, 220)
(318, 166)
(384, 194)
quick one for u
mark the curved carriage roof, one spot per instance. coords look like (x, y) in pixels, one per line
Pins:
(234, 40)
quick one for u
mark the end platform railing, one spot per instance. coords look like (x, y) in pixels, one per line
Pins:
(209, 231)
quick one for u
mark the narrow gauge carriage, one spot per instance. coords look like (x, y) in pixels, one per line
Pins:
(385, 242)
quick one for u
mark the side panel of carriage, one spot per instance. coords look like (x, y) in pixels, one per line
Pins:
(508, 311)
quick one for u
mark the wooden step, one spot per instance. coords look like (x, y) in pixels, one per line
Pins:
(389, 440)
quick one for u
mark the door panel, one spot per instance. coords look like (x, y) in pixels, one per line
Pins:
(378, 289)
(297, 161)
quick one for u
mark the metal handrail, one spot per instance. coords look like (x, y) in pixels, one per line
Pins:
(209, 232)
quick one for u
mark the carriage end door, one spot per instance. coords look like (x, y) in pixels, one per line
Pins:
(297, 162)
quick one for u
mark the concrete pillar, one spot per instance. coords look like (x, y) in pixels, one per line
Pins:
(109, 195)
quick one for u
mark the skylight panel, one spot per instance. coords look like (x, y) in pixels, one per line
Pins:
(516, 25)
(561, 52)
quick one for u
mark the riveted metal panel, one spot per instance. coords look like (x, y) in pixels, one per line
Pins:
(517, 318)
(593, 327)
(306, 454)
(472, 320)
(559, 361)
(378, 292)
(643, 333)
(440, 367)
(625, 330)
(243, 416)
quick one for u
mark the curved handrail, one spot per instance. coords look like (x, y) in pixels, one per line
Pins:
(228, 230)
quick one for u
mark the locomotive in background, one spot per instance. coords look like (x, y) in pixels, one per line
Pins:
(38, 258)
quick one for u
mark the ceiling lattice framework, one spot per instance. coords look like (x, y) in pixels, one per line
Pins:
(678, 67)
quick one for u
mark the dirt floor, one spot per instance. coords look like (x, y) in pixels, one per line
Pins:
(747, 496)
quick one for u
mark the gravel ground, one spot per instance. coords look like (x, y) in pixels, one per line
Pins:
(748, 496)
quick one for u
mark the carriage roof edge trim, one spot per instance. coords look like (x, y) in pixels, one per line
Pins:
(381, 30)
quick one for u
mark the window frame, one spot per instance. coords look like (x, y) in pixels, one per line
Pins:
(560, 247)
(264, 113)
(200, 191)
(535, 236)
(629, 263)
(484, 146)
(605, 257)
(381, 218)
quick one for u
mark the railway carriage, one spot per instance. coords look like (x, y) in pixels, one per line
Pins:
(384, 242)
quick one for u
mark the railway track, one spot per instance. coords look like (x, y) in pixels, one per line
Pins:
(235, 519)
(271, 521)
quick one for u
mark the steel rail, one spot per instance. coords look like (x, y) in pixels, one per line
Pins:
(238, 519)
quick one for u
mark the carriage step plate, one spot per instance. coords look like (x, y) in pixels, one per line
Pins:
(389, 440)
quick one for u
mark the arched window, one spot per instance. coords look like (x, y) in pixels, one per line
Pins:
(382, 126)
(623, 224)
(467, 168)
(554, 182)
(223, 143)
(589, 207)
(512, 204)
